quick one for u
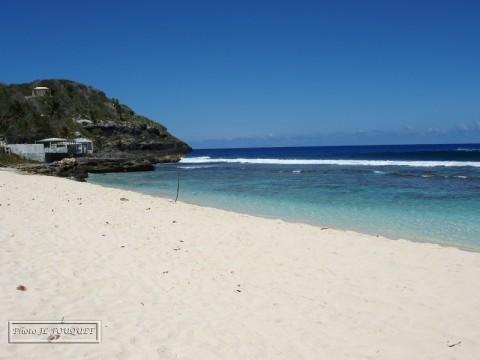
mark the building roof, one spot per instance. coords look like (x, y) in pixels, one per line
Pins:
(51, 140)
(84, 121)
(41, 88)
(82, 140)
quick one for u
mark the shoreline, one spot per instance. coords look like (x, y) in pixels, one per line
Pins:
(266, 217)
(176, 280)
(300, 222)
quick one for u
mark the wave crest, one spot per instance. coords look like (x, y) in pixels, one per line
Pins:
(418, 163)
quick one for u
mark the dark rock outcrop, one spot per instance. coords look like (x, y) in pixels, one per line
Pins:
(78, 168)
(129, 140)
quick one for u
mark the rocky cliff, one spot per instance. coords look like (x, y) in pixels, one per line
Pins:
(71, 109)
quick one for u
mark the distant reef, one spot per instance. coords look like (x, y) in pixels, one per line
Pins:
(123, 140)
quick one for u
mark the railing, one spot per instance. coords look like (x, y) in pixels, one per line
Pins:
(56, 150)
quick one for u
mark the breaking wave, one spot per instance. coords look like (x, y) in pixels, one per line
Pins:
(194, 167)
(418, 163)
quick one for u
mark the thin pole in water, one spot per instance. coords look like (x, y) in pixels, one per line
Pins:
(178, 186)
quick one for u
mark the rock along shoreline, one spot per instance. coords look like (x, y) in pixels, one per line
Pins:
(78, 168)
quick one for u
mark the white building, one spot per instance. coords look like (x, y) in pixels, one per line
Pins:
(86, 145)
(51, 149)
(75, 147)
(57, 145)
(41, 91)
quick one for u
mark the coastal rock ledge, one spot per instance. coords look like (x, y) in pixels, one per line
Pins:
(78, 168)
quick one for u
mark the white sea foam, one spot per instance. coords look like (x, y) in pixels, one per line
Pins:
(207, 159)
(193, 167)
(467, 149)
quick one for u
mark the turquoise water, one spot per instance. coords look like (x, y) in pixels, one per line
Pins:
(377, 191)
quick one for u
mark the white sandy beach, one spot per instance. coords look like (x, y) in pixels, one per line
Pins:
(178, 281)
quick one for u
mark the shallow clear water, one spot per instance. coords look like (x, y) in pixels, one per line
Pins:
(423, 193)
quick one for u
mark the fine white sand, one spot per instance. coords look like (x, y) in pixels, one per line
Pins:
(178, 281)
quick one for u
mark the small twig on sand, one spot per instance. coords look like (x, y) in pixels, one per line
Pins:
(457, 343)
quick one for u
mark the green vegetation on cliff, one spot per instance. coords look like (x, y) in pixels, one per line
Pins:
(116, 129)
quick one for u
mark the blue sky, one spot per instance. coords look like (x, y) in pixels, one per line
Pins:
(214, 72)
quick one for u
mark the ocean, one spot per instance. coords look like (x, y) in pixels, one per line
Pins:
(427, 193)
